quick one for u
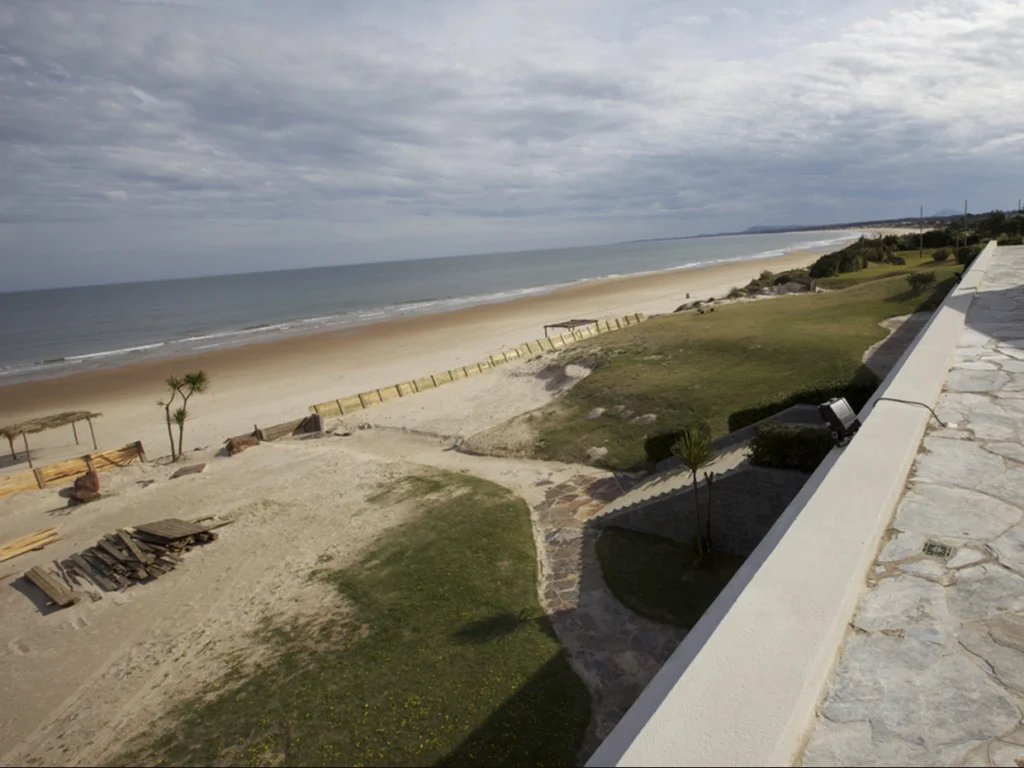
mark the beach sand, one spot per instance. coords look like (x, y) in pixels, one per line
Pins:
(276, 381)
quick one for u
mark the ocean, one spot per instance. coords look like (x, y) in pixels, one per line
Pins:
(49, 333)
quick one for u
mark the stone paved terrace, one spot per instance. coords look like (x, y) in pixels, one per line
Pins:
(932, 671)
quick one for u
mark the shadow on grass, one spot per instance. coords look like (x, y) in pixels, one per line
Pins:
(499, 740)
(501, 625)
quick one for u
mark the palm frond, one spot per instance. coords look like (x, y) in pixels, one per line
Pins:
(197, 382)
(694, 446)
(180, 416)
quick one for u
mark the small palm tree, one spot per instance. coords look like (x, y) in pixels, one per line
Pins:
(174, 384)
(696, 450)
(192, 384)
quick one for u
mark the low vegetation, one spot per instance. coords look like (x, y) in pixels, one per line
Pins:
(662, 579)
(447, 660)
(790, 446)
(746, 359)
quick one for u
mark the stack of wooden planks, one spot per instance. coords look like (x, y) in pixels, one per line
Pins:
(32, 541)
(122, 559)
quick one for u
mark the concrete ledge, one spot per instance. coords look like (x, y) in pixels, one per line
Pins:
(742, 688)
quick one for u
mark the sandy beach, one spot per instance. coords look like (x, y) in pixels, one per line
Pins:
(272, 382)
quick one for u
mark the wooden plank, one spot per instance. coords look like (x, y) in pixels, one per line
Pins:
(369, 398)
(405, 388)
(457, 373)
(351, 403)
(86, 569)
(388, 393)
(22, 540)
(423, 383)
(18, 482)
(441, 379)
(29, 547)
(114, 551)
(129, 542)
(52, 588)
(170, 528)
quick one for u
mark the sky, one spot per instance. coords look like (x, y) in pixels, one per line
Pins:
(143, 140)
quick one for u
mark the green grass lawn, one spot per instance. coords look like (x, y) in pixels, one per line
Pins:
(447, 660)
(659, 578)
(686, 366)
(876, 271)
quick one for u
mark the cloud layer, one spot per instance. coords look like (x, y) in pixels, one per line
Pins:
(236, 135)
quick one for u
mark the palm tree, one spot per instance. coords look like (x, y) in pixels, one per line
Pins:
(194, 384)
(174, 384)
(696, 450)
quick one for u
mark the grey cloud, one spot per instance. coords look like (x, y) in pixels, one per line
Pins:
(525, 120)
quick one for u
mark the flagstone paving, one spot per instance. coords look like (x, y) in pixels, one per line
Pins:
(932, 672)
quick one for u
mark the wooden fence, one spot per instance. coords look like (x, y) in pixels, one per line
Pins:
(351, 403)
(67, 471)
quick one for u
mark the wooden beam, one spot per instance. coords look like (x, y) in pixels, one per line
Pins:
(28, 453)
(10, 440)
(74, 429)
(52, 588)
(93, 433)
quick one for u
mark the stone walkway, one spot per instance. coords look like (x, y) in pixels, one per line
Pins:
(932, 672)
(614, 651)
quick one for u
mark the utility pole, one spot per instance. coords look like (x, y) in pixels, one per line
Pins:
(920, 234)
(965, 222)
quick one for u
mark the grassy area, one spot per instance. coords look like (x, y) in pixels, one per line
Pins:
(659, 578)
(447, 660)
(686, 366)
(876, 270)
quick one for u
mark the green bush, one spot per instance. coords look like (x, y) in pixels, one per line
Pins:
(942, 254)
(892, 258)
(965, 254)
(735, 293)
(789, 446)
(857, 391)
(659, 447)
(918, 281)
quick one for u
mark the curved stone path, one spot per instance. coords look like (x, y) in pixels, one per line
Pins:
(613, 650)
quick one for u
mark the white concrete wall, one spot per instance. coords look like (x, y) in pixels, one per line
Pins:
(742, 687)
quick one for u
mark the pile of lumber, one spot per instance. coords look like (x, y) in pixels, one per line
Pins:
(122, 559)
(36, 540)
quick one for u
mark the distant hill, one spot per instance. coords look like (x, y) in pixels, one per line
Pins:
(945, 213)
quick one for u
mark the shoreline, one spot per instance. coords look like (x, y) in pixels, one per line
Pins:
(218, 337)
(273, 381)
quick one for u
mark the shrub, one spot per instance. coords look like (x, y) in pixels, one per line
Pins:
(735, 293)
(659, 447)
(789, 446)
(942, 254)
(892, 258)
(856, 390)
(918, 281)
(965, 254)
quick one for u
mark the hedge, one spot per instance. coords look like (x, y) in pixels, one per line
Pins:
(856, 390)
(789, 446)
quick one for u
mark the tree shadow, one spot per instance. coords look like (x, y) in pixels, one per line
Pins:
(500, 625)
(556, 734)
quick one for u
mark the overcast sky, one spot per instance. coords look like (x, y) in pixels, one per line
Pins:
(155, 139)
